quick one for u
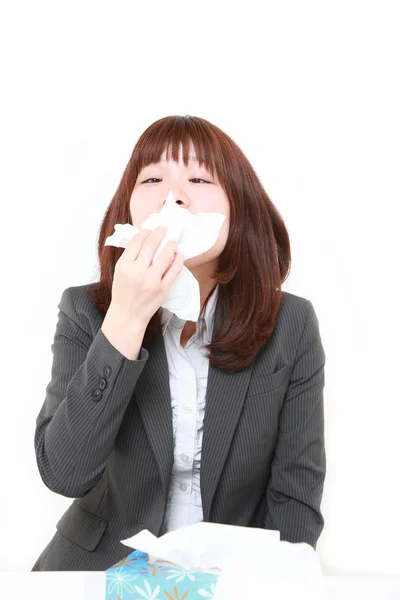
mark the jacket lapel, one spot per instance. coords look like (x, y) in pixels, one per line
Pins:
(153, 398)
(225, 395)
(224, 402)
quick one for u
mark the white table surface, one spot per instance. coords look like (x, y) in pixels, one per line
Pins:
(90, 585)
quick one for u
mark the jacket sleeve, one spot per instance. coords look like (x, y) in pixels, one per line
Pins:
(298, 468)
(79, 420)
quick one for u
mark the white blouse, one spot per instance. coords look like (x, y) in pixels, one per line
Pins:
(188, 373)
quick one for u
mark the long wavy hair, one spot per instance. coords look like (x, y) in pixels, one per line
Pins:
(256, 258)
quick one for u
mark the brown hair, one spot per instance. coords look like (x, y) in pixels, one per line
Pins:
(256, 257)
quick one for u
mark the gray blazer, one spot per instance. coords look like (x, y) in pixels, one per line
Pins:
(104, 437)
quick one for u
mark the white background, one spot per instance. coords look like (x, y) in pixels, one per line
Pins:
(310, 92)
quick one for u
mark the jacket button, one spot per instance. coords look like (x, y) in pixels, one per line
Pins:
(107, 371)
(103, 383)
(96, 394)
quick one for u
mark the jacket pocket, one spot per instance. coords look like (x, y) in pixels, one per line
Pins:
(261, 384)
(81, 527)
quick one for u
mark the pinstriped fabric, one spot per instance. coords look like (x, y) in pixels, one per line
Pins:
(289, 431)
(75, 430)
(298, 466)
(104, 437)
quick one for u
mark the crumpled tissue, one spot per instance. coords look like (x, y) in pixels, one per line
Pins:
(202, 545)
(193, 234)
(248, 560)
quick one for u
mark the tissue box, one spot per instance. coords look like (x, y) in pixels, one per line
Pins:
(136, 577)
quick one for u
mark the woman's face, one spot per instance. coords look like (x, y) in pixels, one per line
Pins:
(194, 189)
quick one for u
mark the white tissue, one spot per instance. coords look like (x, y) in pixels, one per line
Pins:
(249, 561)
(193, 233)
(203, 545)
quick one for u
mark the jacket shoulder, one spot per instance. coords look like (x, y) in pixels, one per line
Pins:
(294, 303)
(77, 303)
(295, 312)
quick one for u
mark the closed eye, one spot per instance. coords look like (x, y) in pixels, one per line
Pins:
(197, 178)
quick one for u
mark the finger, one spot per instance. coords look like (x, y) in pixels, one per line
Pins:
(134, 246)
(149, 248)
(172, 271)
(164, 259)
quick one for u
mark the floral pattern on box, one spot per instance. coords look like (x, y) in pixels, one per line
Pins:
(136, 578)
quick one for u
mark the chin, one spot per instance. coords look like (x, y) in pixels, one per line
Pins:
(195, 261)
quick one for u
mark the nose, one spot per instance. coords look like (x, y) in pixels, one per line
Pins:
(180, 198)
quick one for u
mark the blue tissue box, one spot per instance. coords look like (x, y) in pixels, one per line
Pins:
(136, 578)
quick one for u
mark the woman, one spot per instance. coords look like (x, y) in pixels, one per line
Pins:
(127, 428)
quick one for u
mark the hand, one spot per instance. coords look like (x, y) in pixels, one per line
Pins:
(139, 286)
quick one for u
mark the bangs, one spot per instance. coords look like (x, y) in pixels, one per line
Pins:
(169, 134)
